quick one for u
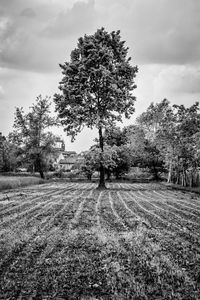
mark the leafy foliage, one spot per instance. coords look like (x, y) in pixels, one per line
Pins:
(30, 135)
(9, 159)
(144, 152)
(115, 136)
(174, 133)
(96, 89)
(93, 160)
(118, 139)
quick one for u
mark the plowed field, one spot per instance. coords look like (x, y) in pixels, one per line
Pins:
(72, 241)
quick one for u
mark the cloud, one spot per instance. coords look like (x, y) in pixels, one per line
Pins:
(37, 35)
(20, 89)
(179, 79)
(161, 31)
(162, 35)
(74, 21)
(38, 38)
(1, 90)
(28, 12)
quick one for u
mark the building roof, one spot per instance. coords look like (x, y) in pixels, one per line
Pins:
(69, 160)
(69, 152)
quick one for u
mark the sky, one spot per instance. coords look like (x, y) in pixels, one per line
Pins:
(163, 37)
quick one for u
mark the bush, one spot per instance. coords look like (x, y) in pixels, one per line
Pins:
(59, 173)
(138, 173)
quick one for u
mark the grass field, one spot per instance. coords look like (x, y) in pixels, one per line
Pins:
(71, 241)
(11, 182)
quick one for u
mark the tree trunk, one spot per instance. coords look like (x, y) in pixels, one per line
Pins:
(116, 175)
(41, 174)
(191, 179)
(155, 174)
(33, 168)
(183, 178)
(169, 180)
(197, 179)
(101, 169)
(39, 165)
(89, 177)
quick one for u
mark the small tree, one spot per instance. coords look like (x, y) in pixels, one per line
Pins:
(117, 139)
(90, 164)
(96, 87)
(93, 160)
(31, 136)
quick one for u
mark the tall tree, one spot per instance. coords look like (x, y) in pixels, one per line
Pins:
(152, 119)
(97, 86)
(187, 127)
(158, 118)
(30, 133)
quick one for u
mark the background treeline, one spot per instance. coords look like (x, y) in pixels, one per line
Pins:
(164, 144)
(165, 140)
(174, 134)
(31, 145)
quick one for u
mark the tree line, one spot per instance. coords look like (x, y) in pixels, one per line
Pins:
(30, 144)
(165, 140)
(96, 91)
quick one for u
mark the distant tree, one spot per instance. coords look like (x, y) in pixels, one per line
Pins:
(93, 160)
(172, 135)
(117, 139)
(179, 135)
(122, 161)
(144, 152)
(2, 140)
(90, 164)
(152, 119)
(97, 86)
(30, 135)
(9, 159)
(151, 157)
(115, 136)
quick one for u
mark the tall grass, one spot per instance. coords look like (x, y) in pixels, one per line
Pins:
(8, 182)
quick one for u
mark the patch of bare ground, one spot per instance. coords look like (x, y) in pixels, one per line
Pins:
(72, 241)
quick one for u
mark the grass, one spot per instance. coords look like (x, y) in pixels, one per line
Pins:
(174, 186)
(9, 182)
(71, 241)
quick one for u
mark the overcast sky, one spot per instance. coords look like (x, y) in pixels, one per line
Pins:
(163, 37)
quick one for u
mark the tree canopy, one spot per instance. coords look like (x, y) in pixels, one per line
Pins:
(96, 89)
(173, 132)
(31, 136)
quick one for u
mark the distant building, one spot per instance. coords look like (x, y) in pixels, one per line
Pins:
(68, 163)
(69, 160)
(59, 144)
(66, 160)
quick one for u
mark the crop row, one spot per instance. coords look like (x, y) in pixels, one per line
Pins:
(36, 224)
